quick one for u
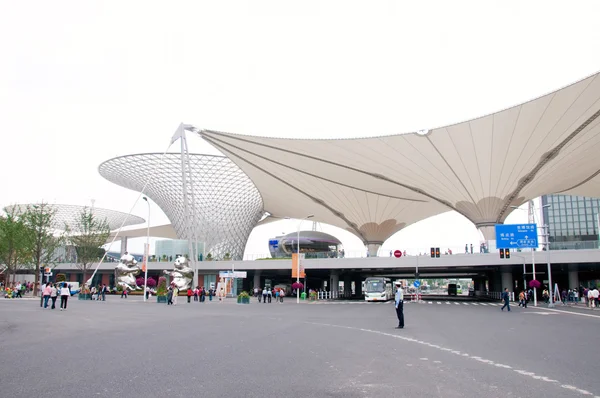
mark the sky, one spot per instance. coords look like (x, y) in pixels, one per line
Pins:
(84, 81)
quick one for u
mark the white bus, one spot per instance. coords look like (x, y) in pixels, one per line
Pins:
(378, 289)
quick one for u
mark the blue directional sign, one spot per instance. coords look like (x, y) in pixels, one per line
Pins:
(416, 283)
(516, 236)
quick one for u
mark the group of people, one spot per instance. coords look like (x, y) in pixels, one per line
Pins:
(16, 290)
(199, 294)
(100, 291)
(267, 295)
(51, 291)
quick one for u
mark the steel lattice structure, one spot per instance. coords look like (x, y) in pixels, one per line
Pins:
(224, 205)
(67, 216)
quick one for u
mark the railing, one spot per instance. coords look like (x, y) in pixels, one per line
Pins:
(493, 295)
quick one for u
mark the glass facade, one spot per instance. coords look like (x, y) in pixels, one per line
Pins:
(572, 221)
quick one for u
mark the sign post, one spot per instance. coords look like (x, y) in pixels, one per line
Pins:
(519, 236)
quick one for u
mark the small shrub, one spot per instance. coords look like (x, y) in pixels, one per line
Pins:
(151, 282)
(162, 286)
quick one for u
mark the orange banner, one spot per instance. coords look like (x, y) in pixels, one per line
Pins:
(295, 266)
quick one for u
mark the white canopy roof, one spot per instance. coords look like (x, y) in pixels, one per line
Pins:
(376, 186)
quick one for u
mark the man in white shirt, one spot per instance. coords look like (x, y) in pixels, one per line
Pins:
(595, 294)
(399, 304)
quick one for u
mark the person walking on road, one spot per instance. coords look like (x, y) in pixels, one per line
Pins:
(65, 292)
(53, 295)
(506, 299)
(46, 292)
(399, 302)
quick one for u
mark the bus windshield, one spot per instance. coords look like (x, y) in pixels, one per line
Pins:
(375, 286)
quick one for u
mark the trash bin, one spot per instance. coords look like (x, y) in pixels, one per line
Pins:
(303, 295)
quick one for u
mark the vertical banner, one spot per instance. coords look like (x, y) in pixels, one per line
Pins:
(295, 265)
(146, 255)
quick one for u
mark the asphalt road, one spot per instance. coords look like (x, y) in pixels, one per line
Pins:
(128, 348)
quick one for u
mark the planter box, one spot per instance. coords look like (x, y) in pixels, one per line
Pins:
(243, 300)
(161, 299)
(82, 296)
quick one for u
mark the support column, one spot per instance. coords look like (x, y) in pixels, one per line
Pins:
(358, 286)
(573, 276)
(488, 230)
(347, 285)
(507, 279)
(334, 282)
(257, 280)
(373, 248)
(123, 245)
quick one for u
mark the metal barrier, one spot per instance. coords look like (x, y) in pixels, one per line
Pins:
(493, 295)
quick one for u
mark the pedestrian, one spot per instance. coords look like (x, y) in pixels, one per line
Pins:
(471, 248)
(170, 296)
(47, 291)
(175, 294)
(211, 293)
(281, 295)
(466, 248)
(53, 295)
(65, 292)
(596, 296)
(196, 291)
(93, 292)
(522, 299)
(506, 298)
(276, 296)
(103, 292)
(269, 295)
(264, 294)
(189, 295)
(399, 304)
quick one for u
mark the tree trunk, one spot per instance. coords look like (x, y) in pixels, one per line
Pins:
(36, 282)
(84, 278)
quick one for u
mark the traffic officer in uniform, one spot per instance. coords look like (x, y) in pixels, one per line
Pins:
(399, 302)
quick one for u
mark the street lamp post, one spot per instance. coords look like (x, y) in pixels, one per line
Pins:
(147, 252)
(298, 259)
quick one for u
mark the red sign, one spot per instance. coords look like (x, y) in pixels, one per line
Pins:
(397, 254)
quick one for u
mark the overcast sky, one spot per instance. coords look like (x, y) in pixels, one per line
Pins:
(84, 81)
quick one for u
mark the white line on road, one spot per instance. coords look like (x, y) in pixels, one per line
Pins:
(439, 302)
(463, 355)
(571, 313)
(474, 304)
(457, 303)
(482, 303)
(429, 302)
(466, 303)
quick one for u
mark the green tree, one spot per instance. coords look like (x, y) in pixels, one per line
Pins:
(88, 236)
(16, 241)
(41, 220)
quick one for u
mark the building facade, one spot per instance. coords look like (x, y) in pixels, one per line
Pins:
(572, 221)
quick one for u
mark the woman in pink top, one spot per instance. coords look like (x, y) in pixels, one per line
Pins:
(46, 294)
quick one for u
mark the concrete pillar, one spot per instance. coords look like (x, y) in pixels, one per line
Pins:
(123, 245)
(257, 280)
(573, 276)
(507, 279)
(488, 231)
(358, 286)
(334, 282)
(347, 285)
(373, 248)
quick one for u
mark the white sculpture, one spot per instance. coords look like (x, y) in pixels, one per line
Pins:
(126, 271)
(182, 275)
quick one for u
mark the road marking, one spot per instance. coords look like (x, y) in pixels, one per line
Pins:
(423, 359)
(458, 353)
(439, 302)
(457, 303)
(572, 313)
(474, 304)
(466, 303)
(447, 302)
(429, 302)
(482, 304)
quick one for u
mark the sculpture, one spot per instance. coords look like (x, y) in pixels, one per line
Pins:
(182, 275)
(126, 271)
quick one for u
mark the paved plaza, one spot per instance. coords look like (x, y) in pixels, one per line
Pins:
(128, 348)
